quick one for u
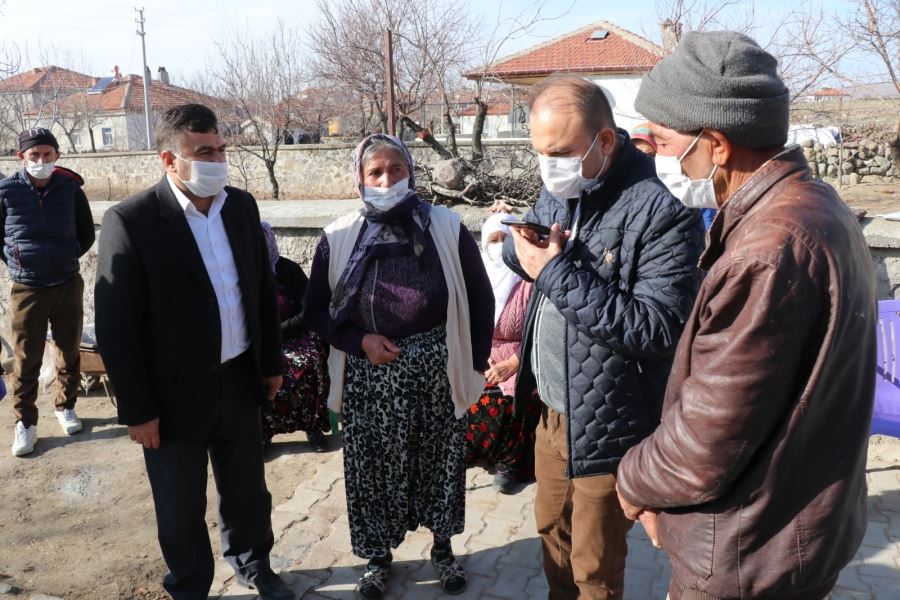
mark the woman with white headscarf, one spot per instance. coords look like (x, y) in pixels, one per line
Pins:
(496, 434)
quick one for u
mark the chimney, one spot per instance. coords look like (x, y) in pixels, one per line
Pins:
(162, 75)
(670, 34)
(117, 76)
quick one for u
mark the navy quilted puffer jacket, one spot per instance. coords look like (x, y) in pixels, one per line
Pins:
(625, 287)
(40, 243)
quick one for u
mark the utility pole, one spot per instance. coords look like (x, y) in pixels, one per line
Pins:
(142, 33)
(389, 81)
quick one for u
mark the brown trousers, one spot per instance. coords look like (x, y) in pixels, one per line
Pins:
(33, 308)
(581, 523)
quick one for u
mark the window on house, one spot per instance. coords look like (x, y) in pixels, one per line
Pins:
(76, 138)
(107, 134)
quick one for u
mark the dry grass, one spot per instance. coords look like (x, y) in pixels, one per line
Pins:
(870, 114)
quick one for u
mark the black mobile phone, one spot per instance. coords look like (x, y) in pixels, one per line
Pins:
(535, 227)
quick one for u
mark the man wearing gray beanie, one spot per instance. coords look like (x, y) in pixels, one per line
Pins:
(754, 481)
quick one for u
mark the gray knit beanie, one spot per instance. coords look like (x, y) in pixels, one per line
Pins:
(718, 80)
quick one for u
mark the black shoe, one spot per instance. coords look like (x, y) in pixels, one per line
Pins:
(504, 483)
(373, 583)
(268, 585)
(318, 441)
(452, 574)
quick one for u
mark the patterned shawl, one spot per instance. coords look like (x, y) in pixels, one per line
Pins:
(399, 231)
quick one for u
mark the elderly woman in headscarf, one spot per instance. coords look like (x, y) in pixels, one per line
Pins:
(400, 292)
(300, 403)
(497, 435)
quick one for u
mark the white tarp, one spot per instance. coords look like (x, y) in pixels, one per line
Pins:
(797, 134)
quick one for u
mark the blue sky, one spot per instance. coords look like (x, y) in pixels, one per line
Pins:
(101, 33)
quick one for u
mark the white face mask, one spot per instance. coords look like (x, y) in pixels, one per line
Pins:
(384, 199)
(207, 178)
(40, 170)
(693, 193)
(562, 175)
(494, 252)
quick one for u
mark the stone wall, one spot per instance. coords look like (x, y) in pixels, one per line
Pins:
(298, 226)
(867, 160)
(322, 171)
(305, 171)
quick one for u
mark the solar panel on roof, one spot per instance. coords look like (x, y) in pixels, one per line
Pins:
(101, 85)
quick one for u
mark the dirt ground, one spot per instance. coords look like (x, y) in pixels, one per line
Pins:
(76, 516)
(874, 198)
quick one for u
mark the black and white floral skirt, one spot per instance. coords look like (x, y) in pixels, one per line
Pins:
(404, 450)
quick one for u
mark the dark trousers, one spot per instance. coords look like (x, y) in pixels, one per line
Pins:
(178, 476)
(33, 308)
(581, 523)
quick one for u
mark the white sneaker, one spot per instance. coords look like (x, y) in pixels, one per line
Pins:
(25, 439)
(68, 420)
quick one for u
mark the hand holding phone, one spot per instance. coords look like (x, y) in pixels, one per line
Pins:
(541, 230)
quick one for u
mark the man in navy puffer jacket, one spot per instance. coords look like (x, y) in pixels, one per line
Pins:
(614, 283)
(46, 225)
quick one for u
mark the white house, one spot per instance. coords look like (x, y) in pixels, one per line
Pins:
(612, 57)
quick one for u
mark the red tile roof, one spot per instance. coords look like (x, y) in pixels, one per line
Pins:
(44, 78)
(829, 92)
(619, 52)
(128, 95)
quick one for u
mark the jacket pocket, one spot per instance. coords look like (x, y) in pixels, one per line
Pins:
(692, 537)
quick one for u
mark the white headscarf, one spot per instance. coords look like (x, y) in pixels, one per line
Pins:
(503, 280)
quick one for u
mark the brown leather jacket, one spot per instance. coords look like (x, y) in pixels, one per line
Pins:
(759, 461)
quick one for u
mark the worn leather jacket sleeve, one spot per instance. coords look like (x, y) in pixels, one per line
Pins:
(755, 324)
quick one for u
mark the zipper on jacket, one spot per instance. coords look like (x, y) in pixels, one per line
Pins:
(537, 337)
(44, 233)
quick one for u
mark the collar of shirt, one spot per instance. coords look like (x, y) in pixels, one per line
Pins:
(188, 207)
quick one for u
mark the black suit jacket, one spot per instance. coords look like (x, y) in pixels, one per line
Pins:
(157, 318)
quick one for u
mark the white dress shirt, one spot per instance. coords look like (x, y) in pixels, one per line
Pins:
(212, 240)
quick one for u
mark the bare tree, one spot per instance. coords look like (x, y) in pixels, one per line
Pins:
(430, 43)
(78, 112)
(803, 31)
(856, 49)
(259, 80)
(439, 33)
(701, 15)
(875, 29)
(33, 97)
(346, 42)
(495, 41)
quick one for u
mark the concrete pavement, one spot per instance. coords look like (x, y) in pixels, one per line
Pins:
(501, 550)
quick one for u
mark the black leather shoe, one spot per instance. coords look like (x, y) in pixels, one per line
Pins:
(268, 585)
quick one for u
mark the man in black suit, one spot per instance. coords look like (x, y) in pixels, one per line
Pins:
(187, 326)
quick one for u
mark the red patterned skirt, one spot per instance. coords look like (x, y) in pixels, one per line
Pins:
(497, 437)
(300, 403)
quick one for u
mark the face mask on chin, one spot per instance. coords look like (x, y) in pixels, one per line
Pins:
(207, 178)
(39, 170)
(384, 199)
(693, 193)
(562, 175)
